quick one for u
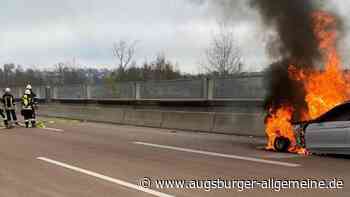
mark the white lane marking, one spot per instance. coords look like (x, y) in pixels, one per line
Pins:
(106, 178)
(53, 129)
(220, 155)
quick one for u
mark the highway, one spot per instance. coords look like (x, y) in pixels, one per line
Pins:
(71, 158)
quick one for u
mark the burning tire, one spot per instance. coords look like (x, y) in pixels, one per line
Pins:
(282, 144)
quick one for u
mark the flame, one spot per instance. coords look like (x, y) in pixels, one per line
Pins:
(324, 88)
(278, 124)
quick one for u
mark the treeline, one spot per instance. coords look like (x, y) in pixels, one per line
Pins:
(60, 74)
(159, 69)
(68, 74)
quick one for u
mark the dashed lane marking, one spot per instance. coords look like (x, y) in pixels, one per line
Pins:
(54, 129)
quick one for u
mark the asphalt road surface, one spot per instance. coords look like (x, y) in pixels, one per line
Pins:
(71, 158)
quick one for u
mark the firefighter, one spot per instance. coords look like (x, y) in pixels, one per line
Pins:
(34, 99)
(9, 106)
(32, 94)
(28, 109)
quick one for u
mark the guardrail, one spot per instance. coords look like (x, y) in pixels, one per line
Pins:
(225, 105)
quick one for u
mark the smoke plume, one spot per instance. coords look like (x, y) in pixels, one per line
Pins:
(296, 45)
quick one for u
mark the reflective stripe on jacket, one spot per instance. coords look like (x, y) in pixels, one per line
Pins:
(8, 101)
(27, 102)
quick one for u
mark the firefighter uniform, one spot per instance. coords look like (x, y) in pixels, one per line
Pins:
(2, 115)
(34, 99)
(28, 109)
(9, 106)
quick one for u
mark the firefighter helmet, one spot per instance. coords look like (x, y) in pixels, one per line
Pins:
(29, 87)
(8, 90)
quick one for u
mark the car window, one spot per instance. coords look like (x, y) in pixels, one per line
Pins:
(339, 113)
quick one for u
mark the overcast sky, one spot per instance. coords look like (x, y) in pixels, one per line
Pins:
(42, 33)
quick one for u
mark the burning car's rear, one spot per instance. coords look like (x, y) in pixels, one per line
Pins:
(330, 133)
(284, 144)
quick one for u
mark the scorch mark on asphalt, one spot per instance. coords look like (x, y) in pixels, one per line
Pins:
(220, 155)
(104, 177)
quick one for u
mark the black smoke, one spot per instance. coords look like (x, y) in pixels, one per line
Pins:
(296, 44)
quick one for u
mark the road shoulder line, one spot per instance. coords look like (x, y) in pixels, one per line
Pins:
(286, 164)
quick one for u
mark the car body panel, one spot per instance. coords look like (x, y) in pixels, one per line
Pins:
(327, 136)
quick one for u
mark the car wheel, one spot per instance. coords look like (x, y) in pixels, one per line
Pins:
(282, 144)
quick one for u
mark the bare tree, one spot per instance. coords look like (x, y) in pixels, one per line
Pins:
(124, 52)
(223, 56)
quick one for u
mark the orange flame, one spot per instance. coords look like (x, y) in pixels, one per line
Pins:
(324, 88)
(278, 124)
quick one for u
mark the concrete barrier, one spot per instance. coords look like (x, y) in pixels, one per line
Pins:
(72, 111)
(194, 121)
(143, 118)
(241, 124)
(215, 122)
(103, 114)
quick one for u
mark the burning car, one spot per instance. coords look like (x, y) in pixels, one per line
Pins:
(328, 133)
(312, 89)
